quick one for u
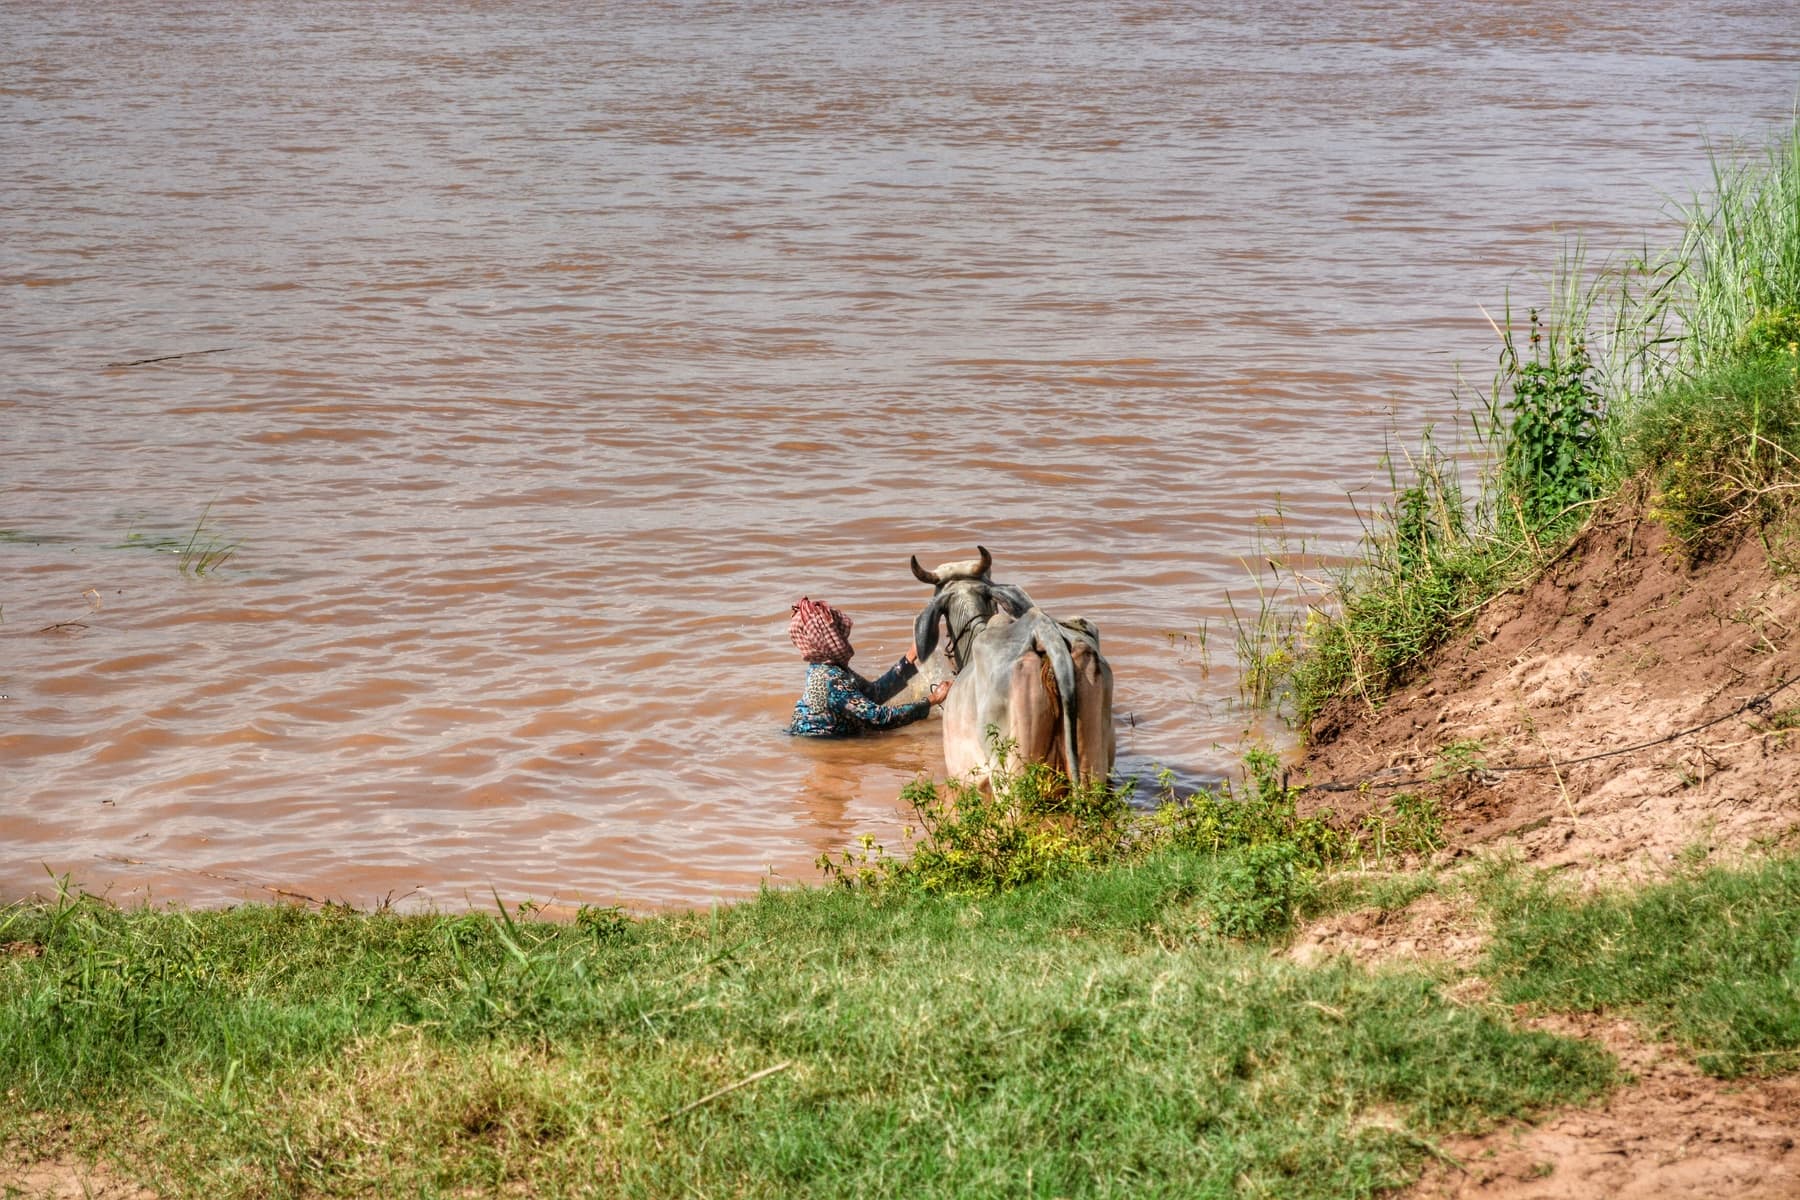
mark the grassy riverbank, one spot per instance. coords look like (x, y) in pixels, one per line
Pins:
(1092, 1030)
(1668, 385)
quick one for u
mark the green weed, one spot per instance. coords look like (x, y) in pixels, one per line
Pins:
(1258, 890)
(204, 557)
(1463, 757)
(1552, 458)
(1408, 825)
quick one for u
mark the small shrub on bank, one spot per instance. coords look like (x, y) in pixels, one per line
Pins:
(1258, 890)
(1408, 824)
(1261, 812)
(1552, 452)
(1032, 825)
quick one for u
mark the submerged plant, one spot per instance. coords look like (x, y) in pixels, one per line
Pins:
(202, 558)
(199, 553)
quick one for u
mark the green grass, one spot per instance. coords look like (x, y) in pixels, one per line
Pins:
(1091, 1036)
(1721, 449)
(1032, 826)
(1054, 994)
(1710, 960)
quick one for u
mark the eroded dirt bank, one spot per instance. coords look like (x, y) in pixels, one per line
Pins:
(1686, 678)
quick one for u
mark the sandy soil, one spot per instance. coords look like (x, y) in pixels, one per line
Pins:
(1673, 1132)
(1619, 650)
(1618, 645)
(67, 1179)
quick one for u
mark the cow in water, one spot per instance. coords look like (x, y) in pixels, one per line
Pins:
(1039, 684)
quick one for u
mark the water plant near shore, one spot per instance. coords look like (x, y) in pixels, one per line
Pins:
(200, 553)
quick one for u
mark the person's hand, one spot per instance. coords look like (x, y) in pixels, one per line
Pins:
(939, 692)
(912, 654)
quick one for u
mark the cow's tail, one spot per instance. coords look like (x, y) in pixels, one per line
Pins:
(1060, 680)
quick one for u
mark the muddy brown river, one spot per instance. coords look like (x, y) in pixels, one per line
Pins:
(530, 359)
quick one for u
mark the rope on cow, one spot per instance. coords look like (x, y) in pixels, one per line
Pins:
(1758, 704)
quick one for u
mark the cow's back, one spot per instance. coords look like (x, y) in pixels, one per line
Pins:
(1009, 686)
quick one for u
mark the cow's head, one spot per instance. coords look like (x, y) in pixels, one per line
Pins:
(965, 599)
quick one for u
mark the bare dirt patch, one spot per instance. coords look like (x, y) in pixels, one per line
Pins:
(1435, 926)
(1621, 676)
(1618, 645)
(1672, 1132)
(65, 1178)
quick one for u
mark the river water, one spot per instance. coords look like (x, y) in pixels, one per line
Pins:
(535, 357)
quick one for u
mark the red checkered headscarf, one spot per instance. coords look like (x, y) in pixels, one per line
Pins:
(821, 632)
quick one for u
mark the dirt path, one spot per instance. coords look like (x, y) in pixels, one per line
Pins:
(67, 1179)
(1673, 1132)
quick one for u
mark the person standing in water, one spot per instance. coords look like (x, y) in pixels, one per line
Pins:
(836, 701)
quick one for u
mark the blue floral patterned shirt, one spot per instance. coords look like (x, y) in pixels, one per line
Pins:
(837, 702)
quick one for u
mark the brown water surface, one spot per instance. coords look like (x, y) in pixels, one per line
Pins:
(539, 355)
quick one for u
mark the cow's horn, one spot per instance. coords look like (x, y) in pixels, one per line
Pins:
(921, 574)
(987, 560)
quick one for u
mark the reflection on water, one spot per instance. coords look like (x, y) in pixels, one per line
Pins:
(535, 358)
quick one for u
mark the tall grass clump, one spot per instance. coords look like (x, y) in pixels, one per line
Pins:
(1457, 528)
(1681, 369)
(1721, 444)
(1742, 251)
(1722, 449)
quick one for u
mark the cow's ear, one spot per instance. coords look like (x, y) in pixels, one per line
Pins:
(925, 629)
(1012, 598)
